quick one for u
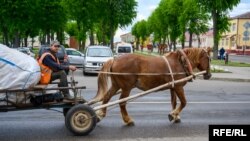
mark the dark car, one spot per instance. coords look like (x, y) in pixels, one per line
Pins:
(61, 54)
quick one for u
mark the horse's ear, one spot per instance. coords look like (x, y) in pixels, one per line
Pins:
(209, 49)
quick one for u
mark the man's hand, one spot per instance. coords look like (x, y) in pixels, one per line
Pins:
(73, 68)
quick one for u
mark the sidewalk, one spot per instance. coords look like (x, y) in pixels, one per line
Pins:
(236, 74)
(240, 74)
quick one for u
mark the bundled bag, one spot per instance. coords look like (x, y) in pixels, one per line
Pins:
(17, 70)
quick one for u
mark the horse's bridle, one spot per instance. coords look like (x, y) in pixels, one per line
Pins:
(209, 59)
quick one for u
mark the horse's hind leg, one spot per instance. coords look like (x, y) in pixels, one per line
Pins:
(126, 118)
(102, 112)
(174, 115)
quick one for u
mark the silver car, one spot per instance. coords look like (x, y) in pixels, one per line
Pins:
(95, 57)
(26, 50)
(75, 57)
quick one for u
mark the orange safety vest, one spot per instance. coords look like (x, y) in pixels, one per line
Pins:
(45, 70)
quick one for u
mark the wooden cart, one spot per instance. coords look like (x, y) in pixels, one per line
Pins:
(80, 118)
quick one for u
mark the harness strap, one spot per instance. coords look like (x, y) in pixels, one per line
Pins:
(189, 66)
(170, 69)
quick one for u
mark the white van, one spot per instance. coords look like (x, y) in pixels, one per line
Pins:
(123, 48)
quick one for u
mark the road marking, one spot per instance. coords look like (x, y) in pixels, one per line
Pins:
(198, 102)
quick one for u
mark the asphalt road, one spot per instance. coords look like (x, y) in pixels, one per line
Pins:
(209, 102)
(239, 58)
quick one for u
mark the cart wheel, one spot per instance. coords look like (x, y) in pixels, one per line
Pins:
(65, 111)
(80, 119)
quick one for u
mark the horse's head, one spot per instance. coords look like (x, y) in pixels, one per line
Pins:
(204, 62)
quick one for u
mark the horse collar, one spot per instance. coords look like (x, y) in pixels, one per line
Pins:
(188, 64)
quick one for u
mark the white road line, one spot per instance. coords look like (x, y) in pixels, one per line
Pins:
(198, 102)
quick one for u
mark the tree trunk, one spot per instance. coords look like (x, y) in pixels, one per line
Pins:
(48, 37)
(137, 43)
(16, 40)
(91, 37)
(190, 39)
(26, 41)
(43, 38)
(183, 39)
(60, 36)
(32, 42)
(199, 41)
(6, 39)
(174, 45)
(111, 35)
(215, 33)
(83, 44)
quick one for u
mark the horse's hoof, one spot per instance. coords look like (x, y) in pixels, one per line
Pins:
(177, 120)
(131, 123)
(170, 117)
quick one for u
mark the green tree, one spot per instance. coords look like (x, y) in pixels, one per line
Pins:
(84, 12)
(158, 25)
(171, 11)
(117, 13)
(17, 19)
(193, 19)
(136, 34)
(52, 19)
(142, 31)
(219, 12)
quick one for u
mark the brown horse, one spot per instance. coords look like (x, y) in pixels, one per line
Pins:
(162, 48)
(180, 63)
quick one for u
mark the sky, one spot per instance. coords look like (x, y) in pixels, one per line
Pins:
(146, 7)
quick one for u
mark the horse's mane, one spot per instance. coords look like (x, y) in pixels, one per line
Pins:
(193, 54)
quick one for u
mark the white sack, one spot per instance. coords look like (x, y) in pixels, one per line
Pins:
(17, 70)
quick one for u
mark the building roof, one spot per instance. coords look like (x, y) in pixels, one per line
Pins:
(242, 16)
(126, 34)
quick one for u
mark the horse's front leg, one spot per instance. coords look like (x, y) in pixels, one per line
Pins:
(173, 99)
(174, 115)
(126, 118)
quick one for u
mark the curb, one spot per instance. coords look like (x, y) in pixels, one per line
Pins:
(231, 79)
(226, 79)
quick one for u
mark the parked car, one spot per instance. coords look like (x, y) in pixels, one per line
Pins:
(75, 57)
(26, 50)
(95, 57)
(61, 54)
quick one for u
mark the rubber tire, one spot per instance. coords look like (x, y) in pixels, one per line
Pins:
(65, 111)
(77, 127)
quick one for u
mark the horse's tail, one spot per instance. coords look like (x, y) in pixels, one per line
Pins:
(102, 82)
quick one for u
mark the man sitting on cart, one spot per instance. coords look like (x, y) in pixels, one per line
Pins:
(50, 60)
